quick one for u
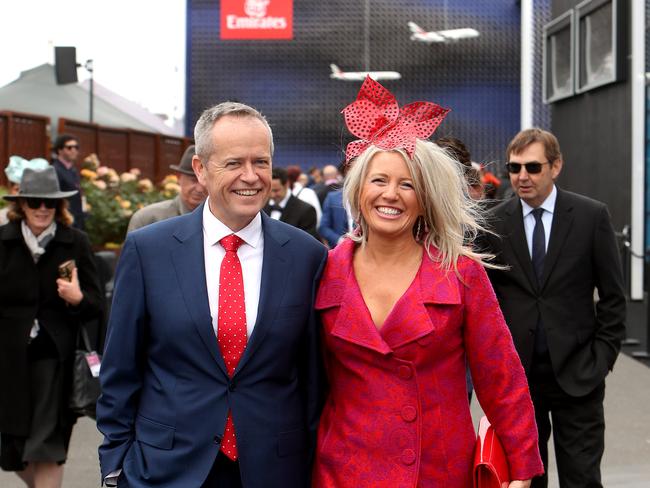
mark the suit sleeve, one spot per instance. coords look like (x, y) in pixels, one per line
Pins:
(312, 369)
(611, 306)
(325, 229)
(121, 371)
(498, 376)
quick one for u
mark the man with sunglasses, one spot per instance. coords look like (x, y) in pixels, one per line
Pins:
(557, 248)
(66, 148)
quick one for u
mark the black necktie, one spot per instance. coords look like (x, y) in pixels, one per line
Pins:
(539, 244)
(539, 253)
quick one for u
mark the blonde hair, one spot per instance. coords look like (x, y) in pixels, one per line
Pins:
(452, 218)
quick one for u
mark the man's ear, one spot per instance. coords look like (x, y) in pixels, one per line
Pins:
(556, 168)
(199, 169)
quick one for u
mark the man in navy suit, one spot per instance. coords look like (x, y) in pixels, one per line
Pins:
(335, 222)
(196, 393)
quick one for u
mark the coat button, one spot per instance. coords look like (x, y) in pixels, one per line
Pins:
(408, 456)
(217, 439)
(404, 372)
(232, 386)
(409, 413)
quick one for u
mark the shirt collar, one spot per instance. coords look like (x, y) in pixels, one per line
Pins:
(548, 204)
(215, 230)
(283, 202)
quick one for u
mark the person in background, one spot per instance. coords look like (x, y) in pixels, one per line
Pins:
(315, 179)
(211, 375)
(458, 151)
(14, 172)
(557, 248)
(285, 207)
(331, 182)
(404, 302)
(39, 321)
(299, 191)
(192, 194)
(337, 220)
(303, 179)
(66, 149)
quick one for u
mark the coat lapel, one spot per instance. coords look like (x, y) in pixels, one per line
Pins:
(562, 221)
(276, 267)
(514, 229)
(189, 263)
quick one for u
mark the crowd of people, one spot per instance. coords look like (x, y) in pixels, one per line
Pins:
(271, 327)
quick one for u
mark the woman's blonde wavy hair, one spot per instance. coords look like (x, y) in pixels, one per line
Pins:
(452, 218)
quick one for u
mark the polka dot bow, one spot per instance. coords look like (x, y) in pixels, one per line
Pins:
(376, 119)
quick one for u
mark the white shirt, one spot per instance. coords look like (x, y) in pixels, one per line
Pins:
(276, 214)
(250, 255)
(547, 219)
(309, 196)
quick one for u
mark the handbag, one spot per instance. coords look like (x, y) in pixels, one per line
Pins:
(85, 377)
(490, 462)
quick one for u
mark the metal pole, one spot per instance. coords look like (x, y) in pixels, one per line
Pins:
(89, 67)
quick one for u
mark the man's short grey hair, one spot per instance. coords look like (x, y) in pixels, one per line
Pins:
(209, 117)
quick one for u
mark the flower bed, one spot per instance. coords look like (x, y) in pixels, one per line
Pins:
(112, 198)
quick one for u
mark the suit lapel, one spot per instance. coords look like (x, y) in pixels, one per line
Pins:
(562, 220)
(514, 229)
(276, 267)
(189, 263)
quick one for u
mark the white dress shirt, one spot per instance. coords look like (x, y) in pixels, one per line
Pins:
(276, 214)
(309, 196)
(547, 219)
(250, 255)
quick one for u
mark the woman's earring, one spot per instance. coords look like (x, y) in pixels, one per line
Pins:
(418, 229)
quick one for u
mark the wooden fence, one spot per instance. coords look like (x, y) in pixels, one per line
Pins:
(24, 135)
(28, 135)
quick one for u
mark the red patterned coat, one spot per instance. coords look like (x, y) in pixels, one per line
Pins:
(397, 413)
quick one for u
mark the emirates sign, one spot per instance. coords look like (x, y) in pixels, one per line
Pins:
(256, 19)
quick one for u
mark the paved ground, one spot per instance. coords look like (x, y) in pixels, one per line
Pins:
(627, 453)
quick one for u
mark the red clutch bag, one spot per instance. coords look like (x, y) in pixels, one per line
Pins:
(490, 463)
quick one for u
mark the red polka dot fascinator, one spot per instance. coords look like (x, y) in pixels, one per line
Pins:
(376, 119)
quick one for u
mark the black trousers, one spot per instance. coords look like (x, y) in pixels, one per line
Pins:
(224, 474)
(578, 427)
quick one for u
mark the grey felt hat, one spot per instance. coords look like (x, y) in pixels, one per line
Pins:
(40, 184)
(185, 166)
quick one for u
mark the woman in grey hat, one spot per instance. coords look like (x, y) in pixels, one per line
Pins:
(39, 320)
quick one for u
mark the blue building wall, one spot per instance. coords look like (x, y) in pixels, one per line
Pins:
(289, 80)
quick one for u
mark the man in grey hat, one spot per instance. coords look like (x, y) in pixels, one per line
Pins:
(192, 194)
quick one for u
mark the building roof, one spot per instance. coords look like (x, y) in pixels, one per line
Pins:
(36, 92)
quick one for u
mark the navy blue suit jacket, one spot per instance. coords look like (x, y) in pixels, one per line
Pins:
(334, 222)
(165, 390)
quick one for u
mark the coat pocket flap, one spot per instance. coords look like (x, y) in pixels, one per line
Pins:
(153, 433)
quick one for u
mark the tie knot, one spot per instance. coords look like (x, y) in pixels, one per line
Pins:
(231, 242)
(537, 213)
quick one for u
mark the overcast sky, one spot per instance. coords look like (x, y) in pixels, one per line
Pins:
(138, 46)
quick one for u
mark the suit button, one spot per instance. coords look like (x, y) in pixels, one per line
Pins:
(232, 386)
(408, 456)
(404, 372)
(217, 439)
(409, 413)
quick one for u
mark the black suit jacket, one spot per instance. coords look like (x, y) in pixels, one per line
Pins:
(299, 214)
(582, 255)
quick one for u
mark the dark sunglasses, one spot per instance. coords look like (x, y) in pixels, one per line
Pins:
(533, 167)
(71, 146)
(35, 203)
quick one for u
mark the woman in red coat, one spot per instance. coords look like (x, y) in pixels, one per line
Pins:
(405, 303)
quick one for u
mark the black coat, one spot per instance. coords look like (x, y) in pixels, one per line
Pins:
(298, 214)
(27, 291)
(583, 339)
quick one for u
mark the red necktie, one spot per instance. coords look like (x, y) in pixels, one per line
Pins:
(231, 329)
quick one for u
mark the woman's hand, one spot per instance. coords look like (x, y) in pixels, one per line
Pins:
(69, 290)
(519, 484)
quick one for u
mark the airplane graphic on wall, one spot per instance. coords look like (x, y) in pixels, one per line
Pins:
(338, 74)
(448, 35)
